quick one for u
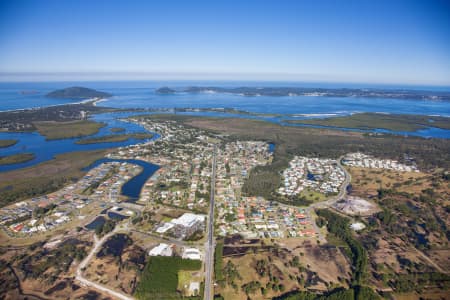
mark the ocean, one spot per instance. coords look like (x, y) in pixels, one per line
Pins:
(140, 94)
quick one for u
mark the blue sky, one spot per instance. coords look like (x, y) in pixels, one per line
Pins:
(338, 41)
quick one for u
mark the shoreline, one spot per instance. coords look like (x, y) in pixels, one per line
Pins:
(94, 102)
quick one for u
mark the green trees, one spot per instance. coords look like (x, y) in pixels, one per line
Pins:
(159, 279)
(357, 293)
(251, 287)
(105, 228)
(218, 262)
(340, 227)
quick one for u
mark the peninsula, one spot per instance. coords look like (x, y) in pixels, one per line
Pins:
(318, 92)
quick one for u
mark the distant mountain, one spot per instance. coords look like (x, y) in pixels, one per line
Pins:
(165, 90)
(78, 92)
(323, 92)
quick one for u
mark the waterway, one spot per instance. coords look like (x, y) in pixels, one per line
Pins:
(132, 188)
(141, 94)
(45, 150)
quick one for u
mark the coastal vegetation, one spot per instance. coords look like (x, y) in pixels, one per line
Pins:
(394, 122)
(114, 138)
(159, 280)
(77, 92)
(323, 92)
(117, 129)
(45, 177)
(63, 130)
(16, 158)
(7, 143)
(23, 120)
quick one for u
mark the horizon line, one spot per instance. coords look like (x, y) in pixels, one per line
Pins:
(90, 76)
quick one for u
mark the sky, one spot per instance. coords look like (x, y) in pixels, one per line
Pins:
(379, 41)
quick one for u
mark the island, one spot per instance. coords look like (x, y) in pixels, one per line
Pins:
(319, 92)
(165, 90)
(7, 143)
(115, 138)
(77, 92)
(63, 130)
(117, 129)
(16, 158)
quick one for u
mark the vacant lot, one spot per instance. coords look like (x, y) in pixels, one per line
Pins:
(118, 270)
(63, 130)
(291, 265)
(368, 181)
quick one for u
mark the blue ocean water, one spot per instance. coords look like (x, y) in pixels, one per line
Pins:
(140, 94)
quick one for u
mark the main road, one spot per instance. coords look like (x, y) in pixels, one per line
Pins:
(209, 246)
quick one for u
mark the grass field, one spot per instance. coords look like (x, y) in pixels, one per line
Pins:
(16, 158)
(314, 196)
(114, 138)
(45, 177)
(7, 143)
(159, 279)
(384, 121)
(63, 130)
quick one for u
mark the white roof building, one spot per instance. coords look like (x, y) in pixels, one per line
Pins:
(194, 288)
(161, 250)
(164, 227)
(188, 219)
(191, 253)
(357, 226)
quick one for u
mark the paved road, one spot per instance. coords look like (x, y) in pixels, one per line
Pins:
(331, 201)
(165, 239)
(209, 246)
(79, 273)
(342, 190)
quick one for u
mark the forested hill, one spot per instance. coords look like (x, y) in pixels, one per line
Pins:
(78, 92)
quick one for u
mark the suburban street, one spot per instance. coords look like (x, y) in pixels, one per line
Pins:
(328, 203)
(342, 190)
(209, 246)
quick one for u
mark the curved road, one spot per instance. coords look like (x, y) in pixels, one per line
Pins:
(331, 201)
(86, 282)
